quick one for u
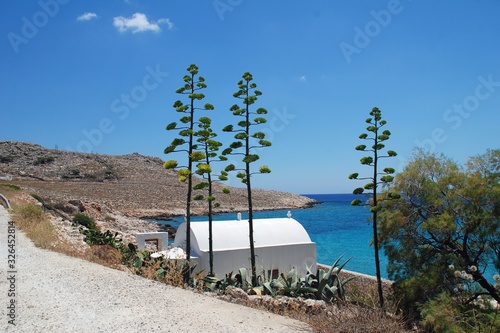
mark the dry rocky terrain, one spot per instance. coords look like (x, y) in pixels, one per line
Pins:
(120, 192)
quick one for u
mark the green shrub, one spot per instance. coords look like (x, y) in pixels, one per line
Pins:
(10, 186)
(85, 221)
(6, 159)
(43, 160)
(110, 174)
(95, 237)
(72, 174)
(449, 313)
(37, 197)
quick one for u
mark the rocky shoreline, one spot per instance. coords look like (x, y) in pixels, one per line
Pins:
(119, 192)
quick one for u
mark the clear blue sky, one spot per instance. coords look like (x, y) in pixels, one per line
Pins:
(101, 76)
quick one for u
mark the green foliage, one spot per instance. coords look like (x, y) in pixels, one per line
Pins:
(264, 169)
(222, 285)
(198, 197)
(203, 168)
(43, 160)
(11, 186)
(328, 285)
(171, 126)
(248, 94)
(202, 150)
(183, 174)
(445, 313)
(193, 84)
(356, 202)
(72, 174)
(445, 216)
(86, 221)
(250, 158)
(6, 159)
(197, 156)
(230, 167)
(135, 258)
(95, 237)
(37, 198)
(171, 164)
(375, 123)
(201, 186)
(291, 285)
(367, 160)
(244, 145)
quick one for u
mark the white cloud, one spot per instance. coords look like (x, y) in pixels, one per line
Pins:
(140, 23)
(87, 16)
(169, 23)
(303, 78)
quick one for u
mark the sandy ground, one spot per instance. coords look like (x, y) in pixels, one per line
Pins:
(57, 293)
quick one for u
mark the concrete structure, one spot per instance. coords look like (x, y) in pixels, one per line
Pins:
(159, 239)
(4, 199)
(280, 244)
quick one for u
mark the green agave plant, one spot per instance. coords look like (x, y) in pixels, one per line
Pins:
(180, 266)
(323, 285)
(291, 285)
(328, 284)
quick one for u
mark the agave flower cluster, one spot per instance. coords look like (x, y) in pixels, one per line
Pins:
(464, 278)
(496, 277)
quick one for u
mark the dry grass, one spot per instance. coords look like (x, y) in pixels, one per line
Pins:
(172, 272)
(338, 317)
(361, 312)
(354, 318)
(9, 191)
(36, 224)
(105, 255)
(363, 291)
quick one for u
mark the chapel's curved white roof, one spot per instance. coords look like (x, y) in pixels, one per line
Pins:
(234, 234)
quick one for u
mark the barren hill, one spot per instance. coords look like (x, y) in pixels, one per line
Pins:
(134, 185)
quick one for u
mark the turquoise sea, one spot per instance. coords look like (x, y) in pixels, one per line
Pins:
(334, 225)
(337, 228)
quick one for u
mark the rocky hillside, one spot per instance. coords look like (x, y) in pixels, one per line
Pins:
(134, 185)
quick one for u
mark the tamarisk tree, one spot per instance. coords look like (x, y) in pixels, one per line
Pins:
(209, 146)
(443, 235)
(246, 142)
(193, 84)
(376, 179)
